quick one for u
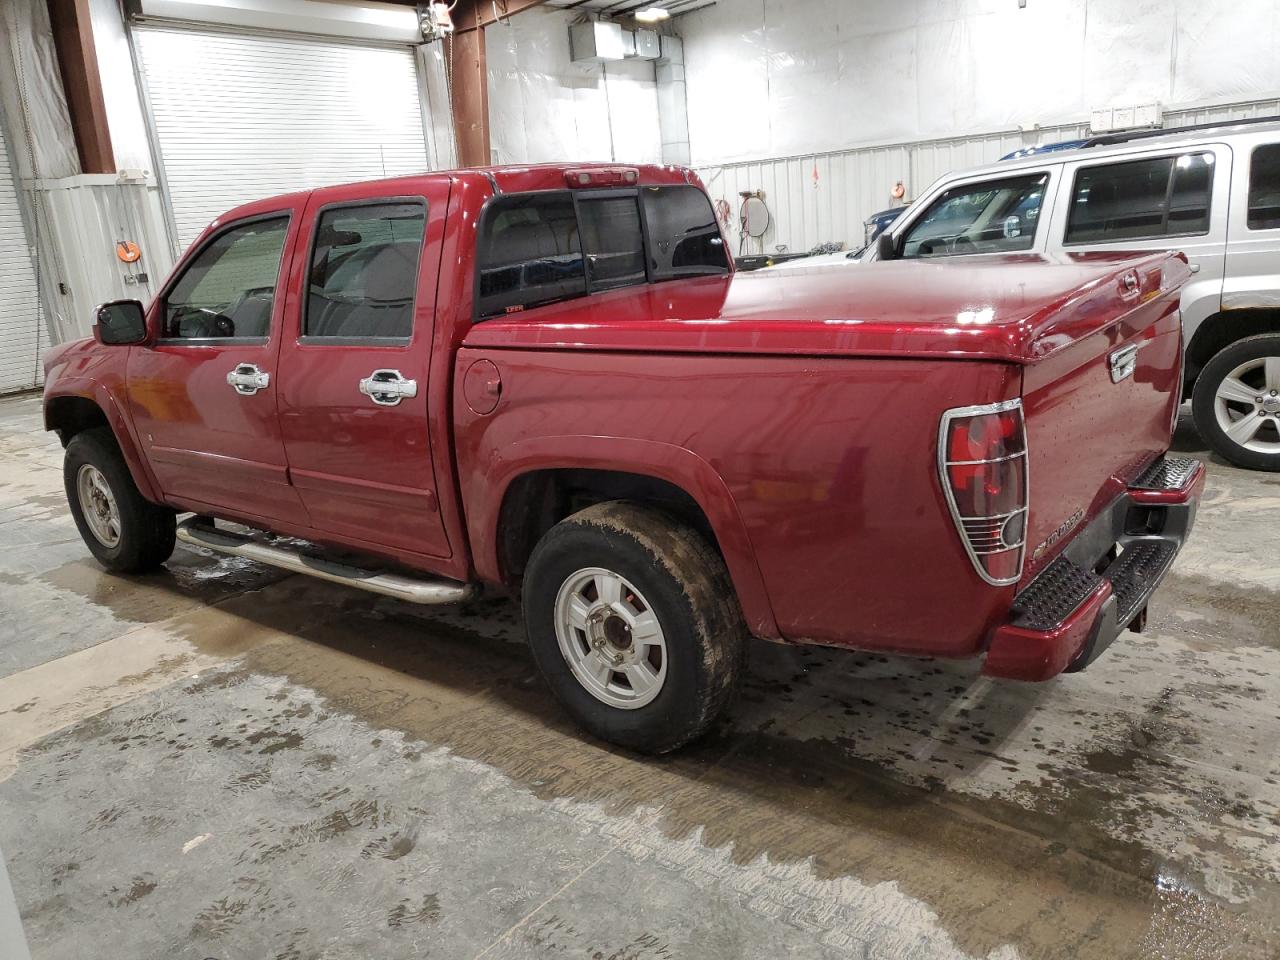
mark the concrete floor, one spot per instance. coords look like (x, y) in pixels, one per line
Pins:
(223, 761)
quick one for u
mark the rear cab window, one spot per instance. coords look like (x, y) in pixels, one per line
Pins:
(549, 246)
(990, 216)
(1264, 188)
(1141, 199)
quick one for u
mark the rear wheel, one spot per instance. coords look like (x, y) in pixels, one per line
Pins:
(1236, 402)
(634, 623)
(125, 532)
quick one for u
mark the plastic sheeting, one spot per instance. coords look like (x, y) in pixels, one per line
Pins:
(35, 110)
(777, 78)
(543, 107)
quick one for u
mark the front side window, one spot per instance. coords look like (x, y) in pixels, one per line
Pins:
(1264, 188)
(684, 237)
(612, 240)
(364, 271)
(1141, 199)
(228, 289)
(529, 253)
(995, 216)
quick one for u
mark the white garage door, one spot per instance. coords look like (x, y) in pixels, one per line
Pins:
(21, 320)
(240, 117)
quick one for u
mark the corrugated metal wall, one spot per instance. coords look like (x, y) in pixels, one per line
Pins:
(825, 197)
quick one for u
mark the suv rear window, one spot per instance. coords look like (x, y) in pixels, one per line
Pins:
(1264, 188)
(1141, 199)
(538, 248)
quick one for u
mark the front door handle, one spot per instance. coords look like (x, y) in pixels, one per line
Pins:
(247, 379)
(388, 387)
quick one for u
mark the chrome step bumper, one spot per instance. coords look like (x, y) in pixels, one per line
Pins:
(201, 534)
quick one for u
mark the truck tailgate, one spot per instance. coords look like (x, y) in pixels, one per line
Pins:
(1101, 398)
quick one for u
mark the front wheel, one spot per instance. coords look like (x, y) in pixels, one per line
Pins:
(1236, 402)
(633, 621)
(126, 532)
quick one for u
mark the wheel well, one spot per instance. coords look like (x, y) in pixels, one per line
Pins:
(535, 502)
(72, 415)
(1221, 330)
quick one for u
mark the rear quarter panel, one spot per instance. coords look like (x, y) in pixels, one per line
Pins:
(821, 478)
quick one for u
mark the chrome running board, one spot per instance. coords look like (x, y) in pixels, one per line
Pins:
(199, 533)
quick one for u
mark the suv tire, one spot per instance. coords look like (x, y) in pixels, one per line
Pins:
(634, 623)
(1225, 416)
(125, 532)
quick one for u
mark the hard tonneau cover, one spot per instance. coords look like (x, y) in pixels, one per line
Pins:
(1017, 308)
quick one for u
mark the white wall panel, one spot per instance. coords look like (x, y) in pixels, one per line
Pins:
(22, 336)
(770, 78)
(543, 107)
(240, 117)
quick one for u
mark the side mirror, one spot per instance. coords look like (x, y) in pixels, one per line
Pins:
(120, 322)
(886, 249)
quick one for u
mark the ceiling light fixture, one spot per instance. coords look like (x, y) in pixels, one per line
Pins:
(652, 14)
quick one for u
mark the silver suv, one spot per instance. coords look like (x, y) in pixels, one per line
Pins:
(1213, 193)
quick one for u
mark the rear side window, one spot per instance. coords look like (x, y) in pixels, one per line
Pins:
(1141, 199)
(1264, 188)
(529, 253)
(995, 216)
(228, 288)
(684, 237)
(364, 271)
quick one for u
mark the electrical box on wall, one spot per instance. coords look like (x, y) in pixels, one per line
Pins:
(643, 45)
(596, 41)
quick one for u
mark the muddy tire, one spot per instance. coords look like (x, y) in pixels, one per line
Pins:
(635, 625)
(125, 532)
(1236, 402)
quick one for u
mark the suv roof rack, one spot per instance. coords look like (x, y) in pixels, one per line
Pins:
(1106, 139)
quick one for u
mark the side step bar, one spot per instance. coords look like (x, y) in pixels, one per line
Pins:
(201, 534)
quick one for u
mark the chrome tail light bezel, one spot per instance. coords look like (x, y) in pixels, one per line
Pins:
(969, 527)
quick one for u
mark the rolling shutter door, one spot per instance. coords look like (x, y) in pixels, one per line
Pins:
(21, 319)
(240, 117)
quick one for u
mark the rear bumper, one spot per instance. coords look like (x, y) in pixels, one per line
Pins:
(1099, 586)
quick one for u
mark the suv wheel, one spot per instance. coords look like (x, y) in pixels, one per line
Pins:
(1236, 402)
(126, 532)
(633, 621)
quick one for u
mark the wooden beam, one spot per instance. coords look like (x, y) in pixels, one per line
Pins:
(82, 84)
(470, 72)
(474, 14)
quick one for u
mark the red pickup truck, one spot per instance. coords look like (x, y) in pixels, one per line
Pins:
(549, 381)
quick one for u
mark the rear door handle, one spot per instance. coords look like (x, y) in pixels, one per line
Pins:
(388, 387)
(247, 379)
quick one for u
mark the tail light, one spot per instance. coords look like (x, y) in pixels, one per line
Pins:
(982, 458)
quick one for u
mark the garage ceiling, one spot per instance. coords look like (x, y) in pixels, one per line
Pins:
(617, 8)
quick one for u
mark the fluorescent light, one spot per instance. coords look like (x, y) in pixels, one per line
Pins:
(652, 14)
